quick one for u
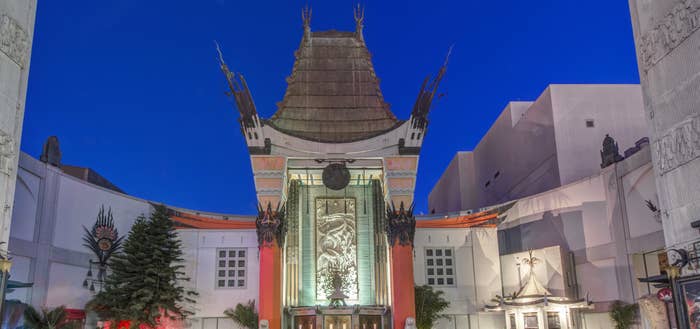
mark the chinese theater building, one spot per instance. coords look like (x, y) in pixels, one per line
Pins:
(334, 174)
(536, 227)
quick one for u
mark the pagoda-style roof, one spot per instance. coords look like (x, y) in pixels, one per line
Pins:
(333, 94)
(534, 294)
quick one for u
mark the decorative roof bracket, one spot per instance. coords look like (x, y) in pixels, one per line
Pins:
(419, 115)
(238, 88)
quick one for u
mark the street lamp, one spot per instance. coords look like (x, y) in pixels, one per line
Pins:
(95, 280)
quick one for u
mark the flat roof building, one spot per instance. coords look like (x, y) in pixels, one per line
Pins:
(536, 146)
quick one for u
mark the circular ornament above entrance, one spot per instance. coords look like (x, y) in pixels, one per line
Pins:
(336, 176)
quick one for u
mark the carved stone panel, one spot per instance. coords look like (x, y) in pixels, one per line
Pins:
(7, 153)
(14, 41)
(679, 145)
(679, 23)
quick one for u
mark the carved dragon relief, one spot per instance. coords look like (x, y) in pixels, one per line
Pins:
(14, 41)
(678, 24)
(336, 244)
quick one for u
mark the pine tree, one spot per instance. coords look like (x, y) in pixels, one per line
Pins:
(145, 282)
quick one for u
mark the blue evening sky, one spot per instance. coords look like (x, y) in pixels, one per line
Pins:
(132, 88)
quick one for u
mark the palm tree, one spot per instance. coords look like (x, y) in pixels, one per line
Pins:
(244, 315)
(48, 318)
(623, 314)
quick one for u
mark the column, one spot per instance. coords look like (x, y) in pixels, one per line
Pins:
(270, 179)
(270, 229)
(401, 228)
(400, 180)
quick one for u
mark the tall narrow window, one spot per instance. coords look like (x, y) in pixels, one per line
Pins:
(231, 268)
(553, 321)
(513, 324)
(530, 321)
(439, 266)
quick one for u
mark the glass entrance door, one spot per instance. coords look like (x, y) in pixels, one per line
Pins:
(337, 322)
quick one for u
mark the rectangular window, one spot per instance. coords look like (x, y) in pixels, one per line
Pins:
(553, 320)
(513, 324)
(231, 269)
(439, 267)
(590, 123)
(530, 320)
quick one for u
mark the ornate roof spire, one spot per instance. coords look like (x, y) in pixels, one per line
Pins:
(359, 13)
(306, 21)
(532, 287)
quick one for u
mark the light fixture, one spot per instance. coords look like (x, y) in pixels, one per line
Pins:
(5, 265)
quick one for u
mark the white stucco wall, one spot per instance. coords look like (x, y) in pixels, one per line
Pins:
(26, 205)
(639, 186)
(78, 204)
(477, 269)
(200, 265)
(615, 109)
(446, 194)
(66, 286)
(536, 146)
(602, 220)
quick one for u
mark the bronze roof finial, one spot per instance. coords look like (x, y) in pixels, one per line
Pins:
(306, 17)
(359, 14)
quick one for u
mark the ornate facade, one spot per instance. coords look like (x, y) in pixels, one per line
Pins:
(334, 155)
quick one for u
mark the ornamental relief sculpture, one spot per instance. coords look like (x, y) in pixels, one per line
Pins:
(336, 244)
(14, 41)
(680, 145)
(662, 38)
(7, 153)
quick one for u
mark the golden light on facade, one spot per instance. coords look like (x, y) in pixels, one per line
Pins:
(5, 265)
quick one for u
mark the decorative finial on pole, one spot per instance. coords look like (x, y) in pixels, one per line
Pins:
(230, 76)
(359, 14)
(306, 21)
(447, 58)
(427, 94)
(306, 17)
(238, 89)
(221, 56)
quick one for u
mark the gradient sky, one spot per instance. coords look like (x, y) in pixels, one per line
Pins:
(132, 88)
